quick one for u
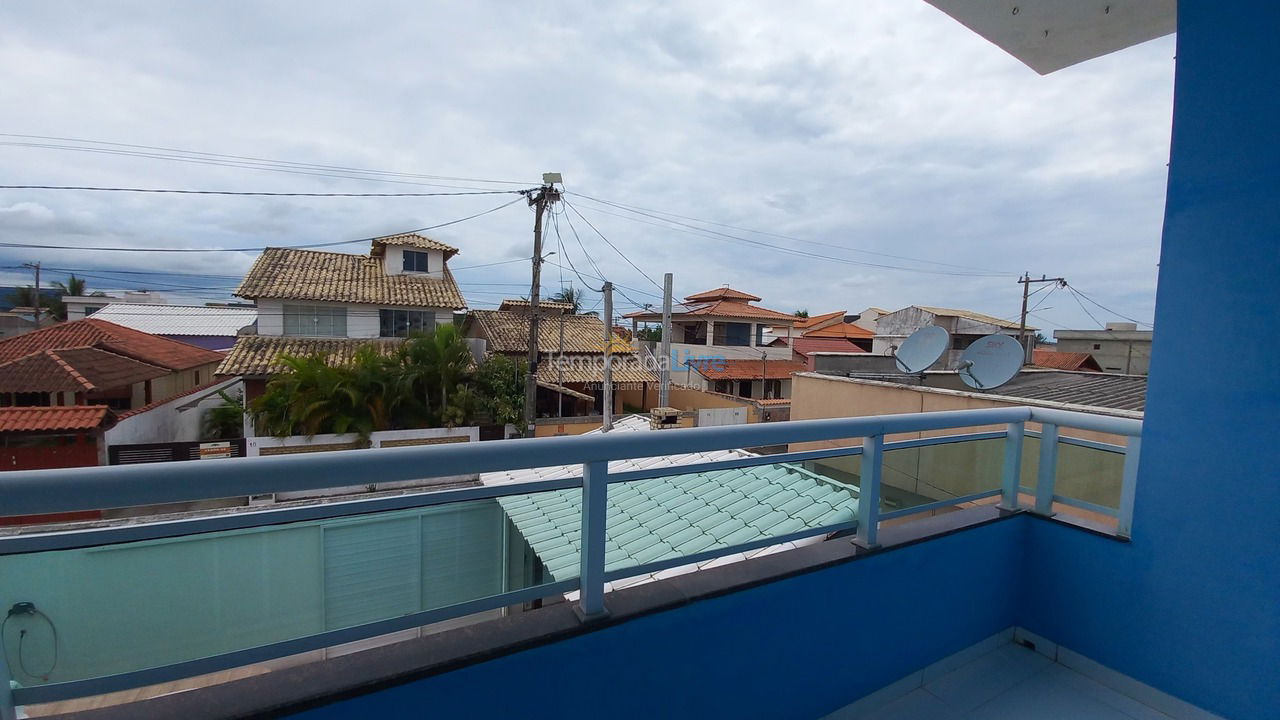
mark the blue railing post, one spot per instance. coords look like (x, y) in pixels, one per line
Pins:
(869, 491)
(1128, 486)
(1012, 475)
(595, 486)
(1048, 470)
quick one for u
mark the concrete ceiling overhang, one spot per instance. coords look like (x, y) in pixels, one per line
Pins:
(1049, 35)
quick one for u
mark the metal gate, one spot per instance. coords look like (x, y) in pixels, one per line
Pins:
(170, 452)
(722, 416)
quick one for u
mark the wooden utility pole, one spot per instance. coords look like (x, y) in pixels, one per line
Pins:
(1026, 282)
(545, 196)
(36, 266)
(664, 386)
(607, 290)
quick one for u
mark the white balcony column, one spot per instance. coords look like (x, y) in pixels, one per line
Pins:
(1048, 471)
(1012, 477)
(869, 492)
(711, 332)
(595, 479)
(1128, 486)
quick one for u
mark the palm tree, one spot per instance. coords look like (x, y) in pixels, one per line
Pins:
(434, 364)
(74, 286)
(225, 420)
(572, 296)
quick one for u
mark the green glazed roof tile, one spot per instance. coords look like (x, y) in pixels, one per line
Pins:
(681, 514)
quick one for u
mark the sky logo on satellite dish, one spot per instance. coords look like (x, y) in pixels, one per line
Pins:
(991, 361)
(922, 349)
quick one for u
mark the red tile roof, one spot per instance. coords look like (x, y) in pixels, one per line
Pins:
(74, 370)
(46, 419)
(153, 349)
(843, 330)
(816, 320)
(1065, 360)
(722, 369)
(722, 293)
(714, 309)
(806, 344)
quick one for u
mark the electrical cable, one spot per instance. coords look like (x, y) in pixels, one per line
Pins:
(968, 271)
(290, 163)
(1107, 309)
(257, 249)
(610, 244)
(255, 193)
(1076, 297)
(30, 610)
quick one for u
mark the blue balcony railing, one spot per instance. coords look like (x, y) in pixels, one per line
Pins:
(107, 653)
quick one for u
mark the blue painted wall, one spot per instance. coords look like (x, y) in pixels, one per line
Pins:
(1193, 607)
(802, 647)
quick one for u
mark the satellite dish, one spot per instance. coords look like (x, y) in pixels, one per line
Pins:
(922, 349)
(991, 361)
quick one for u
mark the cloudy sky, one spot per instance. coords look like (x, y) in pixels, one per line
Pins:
(833, 142)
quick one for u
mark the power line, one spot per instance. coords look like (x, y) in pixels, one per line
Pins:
(610, 244)
(644, 211)
(1076, 296)
(717, 235)
(245, 162)
(1107, 309)
(35, 246)
(258, 194)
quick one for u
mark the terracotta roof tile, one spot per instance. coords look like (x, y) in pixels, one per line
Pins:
(416, 241)
(1065, 360)
(816, 320)
(843, 330)
(74, 370)
(721, 293)
(507, 331)
(722, 369)
(517, 305)
(292, 274)
(590, 369)
(718, 308)
(47, 419)
(259, 355)
(805, 344)
(148, 348)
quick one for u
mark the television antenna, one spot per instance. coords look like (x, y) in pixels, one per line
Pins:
(922, 349)
(991, 361)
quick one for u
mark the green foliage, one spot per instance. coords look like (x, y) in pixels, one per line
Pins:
(225, 421)
(802, 313)
(430, 381)
(26, 296)
(649, 333)
(499, 384)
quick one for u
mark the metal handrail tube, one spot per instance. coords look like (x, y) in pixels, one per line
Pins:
(51, 491)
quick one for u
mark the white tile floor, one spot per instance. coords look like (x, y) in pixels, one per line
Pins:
(1014, 682)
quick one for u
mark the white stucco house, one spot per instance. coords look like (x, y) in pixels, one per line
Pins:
(965, 326)
(331, 303)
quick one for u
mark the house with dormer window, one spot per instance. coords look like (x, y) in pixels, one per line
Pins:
(330, 303)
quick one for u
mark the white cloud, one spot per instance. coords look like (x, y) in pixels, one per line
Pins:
(880, 125)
